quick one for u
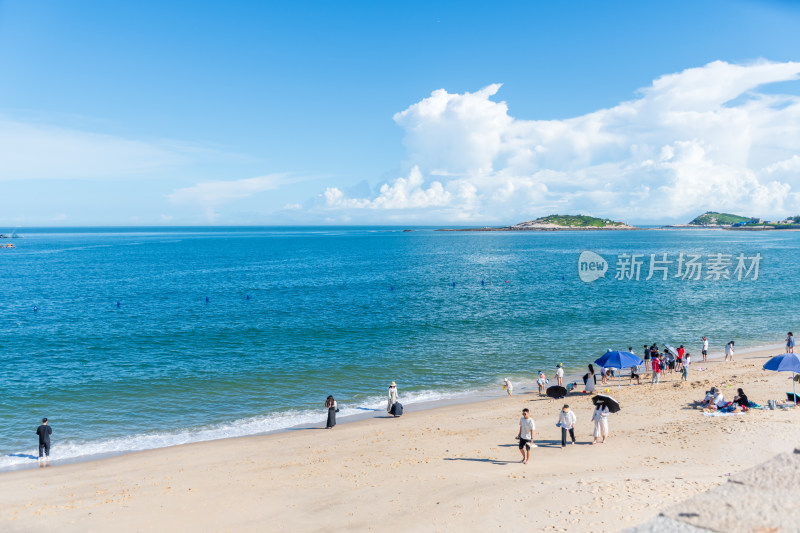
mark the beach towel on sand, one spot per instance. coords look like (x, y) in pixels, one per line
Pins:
(718, 413)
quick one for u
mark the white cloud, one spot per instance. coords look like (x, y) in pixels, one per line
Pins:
(403, 193)
(211, 194)
(704, 138)
(36, 151)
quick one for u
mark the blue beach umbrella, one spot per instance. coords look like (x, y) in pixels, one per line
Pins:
(788, 362)
(617, 359)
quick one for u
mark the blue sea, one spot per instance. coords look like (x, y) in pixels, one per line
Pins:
(138, 338)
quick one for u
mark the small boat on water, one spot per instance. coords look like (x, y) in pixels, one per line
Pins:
(12, 235)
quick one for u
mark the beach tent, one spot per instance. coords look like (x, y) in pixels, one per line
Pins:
(617, 359)
(788, 362)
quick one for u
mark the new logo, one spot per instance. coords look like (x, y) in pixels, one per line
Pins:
(591, 266)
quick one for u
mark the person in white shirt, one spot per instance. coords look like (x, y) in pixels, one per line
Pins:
(392, 398)
(705, 349)
(566, 419)
(687, 360)
(600, 419)
(729, 351)
(719, 399)
(560, 374)
(525, 435)
(508, 386)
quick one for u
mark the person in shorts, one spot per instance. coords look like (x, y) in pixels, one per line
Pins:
(705, 349)
(525, 435)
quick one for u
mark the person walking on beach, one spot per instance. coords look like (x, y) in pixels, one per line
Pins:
(600, 419)
(560, 374)
(729, 351)
(705, 349)
(330, 403)
(508, 386)
(44, 431)
(656, 371)
(646, 358)
(790, 343)
(525, 435)
(687, 360)
(566, 420)
(392, 398)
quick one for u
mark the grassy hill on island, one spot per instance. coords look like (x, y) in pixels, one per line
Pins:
(573, 221)
(710, 218)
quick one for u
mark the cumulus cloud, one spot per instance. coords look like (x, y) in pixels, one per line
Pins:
(704, 138)
(211, 194)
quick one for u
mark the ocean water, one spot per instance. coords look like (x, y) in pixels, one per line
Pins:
(187, 356)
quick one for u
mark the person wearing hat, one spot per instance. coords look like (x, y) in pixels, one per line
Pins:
(392, 397)
(508, 386)
(566, 419)
(560, 374)
(44, 431)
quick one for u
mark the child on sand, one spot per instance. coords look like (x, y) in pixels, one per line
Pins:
(542, 381)
(560, 374)
(507, 386)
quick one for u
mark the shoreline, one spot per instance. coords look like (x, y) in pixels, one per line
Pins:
(475, 397)
(457, 467)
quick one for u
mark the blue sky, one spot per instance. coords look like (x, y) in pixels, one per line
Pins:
(300, 112)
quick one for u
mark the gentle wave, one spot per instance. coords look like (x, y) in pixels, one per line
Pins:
(75, 450)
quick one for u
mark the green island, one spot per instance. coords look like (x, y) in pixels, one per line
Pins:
(711, 218)
(558, 223)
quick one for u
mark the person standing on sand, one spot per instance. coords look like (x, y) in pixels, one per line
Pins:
(508, 386)
(656, 378)
(687, 360)
(600, 419)
(646, 358)
(590, 380)
(729, 351)
(560, 374)
(525, 435)
(44, 431)
(542, 381)
(790, 343)
(705, 349)
(330, 403)
(392, 397)
(566, 420)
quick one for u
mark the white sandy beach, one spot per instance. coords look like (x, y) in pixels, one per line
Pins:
(446, 469)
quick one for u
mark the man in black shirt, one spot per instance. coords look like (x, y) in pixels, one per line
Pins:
(44, 432)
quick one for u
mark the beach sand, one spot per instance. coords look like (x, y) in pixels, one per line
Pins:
(453, 468)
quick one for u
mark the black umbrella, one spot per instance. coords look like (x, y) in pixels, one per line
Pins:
(608, 401)
(556, 392)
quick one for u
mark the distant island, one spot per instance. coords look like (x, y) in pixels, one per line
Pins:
(711, 218)
(559, 223)
(728, 221)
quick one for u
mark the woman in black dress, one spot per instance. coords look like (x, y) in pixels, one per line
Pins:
(330, 403)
